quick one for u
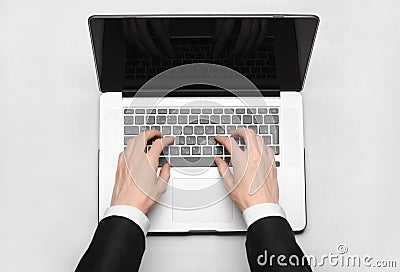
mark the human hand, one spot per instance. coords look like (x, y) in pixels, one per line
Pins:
(254, 179)
(251, 35)
(136, 31)
(136, 180)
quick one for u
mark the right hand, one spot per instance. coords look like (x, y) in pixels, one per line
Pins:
(254, 180)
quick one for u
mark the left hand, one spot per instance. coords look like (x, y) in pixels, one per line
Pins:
(136, 182)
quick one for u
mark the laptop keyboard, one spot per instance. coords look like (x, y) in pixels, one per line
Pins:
(194, 130)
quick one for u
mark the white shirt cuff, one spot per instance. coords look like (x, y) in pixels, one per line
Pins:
(258, 211)
(131, 213)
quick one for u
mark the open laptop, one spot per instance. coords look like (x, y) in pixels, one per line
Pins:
(252, 67)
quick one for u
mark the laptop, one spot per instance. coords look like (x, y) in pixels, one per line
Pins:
(194, 77)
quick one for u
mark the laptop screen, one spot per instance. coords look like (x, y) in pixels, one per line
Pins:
(273, 53)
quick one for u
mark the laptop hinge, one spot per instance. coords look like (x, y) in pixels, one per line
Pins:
(197, 93)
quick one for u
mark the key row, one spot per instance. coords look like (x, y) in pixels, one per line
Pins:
(200, 119)
(263, 110)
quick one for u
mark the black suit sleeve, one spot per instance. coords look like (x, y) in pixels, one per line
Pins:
(274, 236)
(118, 245)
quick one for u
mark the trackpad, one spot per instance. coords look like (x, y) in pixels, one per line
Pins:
(200, 201)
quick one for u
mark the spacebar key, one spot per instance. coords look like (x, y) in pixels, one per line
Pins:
(192, 161)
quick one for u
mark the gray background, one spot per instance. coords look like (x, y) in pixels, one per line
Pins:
(49, 107)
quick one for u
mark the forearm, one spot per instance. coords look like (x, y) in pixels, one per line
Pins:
(117, 245)
(271, 246)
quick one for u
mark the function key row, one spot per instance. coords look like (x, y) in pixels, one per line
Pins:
(263, 110)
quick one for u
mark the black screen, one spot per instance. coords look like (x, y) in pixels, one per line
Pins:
(271, 52)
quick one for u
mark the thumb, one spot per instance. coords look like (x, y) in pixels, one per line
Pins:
(225, 173)
(165, 173)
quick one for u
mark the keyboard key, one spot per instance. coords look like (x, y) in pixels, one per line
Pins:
(247, 119)
(195, 111)
(192, 161)
(196, 150)
(253, 127)
(229, 129)
(209, 130)
(220, 129)
(211, 140)
(188, 130)
(131, 130)
(258, 119)
(166, 130)
(150, 120)
(236, 119)
(204, 119)
(218, 111)
(185, 150)
(162, 111)
(228, 111)
(274, 130)
(262, 110)
(240, 111)
(271, 119)
(180, 140)
(251, 111)
(151, 111)
(201, 140)
(198, 130)
(171, 119)
(184, 111)
(128, 120)
(182, 119)
(263, 130)
(161, 119)
(276, 149)
(139, 120)
(214, 119)
(128, 111)
(206, 111)
(144, 128)
(156, 128)
(277, 163)
(218, 150)
(177, 130)
(165, 151)
(207, 150)
(139, 111)
(274, 110)
(225, 119)
(174, 150)
(267, 139)
(191, 140)
(126, 140)
(193, 119)
(173, 111)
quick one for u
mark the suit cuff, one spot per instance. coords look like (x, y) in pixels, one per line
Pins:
(258, 211)
(131, 213)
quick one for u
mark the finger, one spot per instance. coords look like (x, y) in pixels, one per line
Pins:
(229, 143)
(225, 173)
(158, 146)
(249, 137)
(255, 26)
(144, 36)
(223, 37)
(261, 34)
(133, 35)
(218, 26)
(143, 137)
(165, 173)
(260, 142)
(161, 34)
(243, 36)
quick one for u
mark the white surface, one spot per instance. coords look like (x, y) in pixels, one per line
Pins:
(49, 126)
